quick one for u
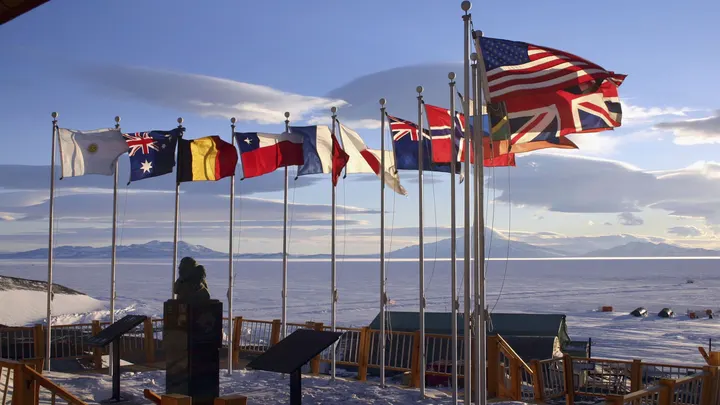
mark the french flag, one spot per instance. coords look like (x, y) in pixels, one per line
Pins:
(321, 151)
(264, 153)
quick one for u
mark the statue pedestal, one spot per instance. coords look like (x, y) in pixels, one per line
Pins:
(192, 338)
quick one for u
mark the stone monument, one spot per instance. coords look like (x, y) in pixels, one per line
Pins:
(192, 337)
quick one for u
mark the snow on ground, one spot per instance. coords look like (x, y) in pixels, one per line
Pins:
(259, 386)
(21, 307)
(576, 288)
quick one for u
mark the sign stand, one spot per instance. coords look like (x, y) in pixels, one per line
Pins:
(290, 354)
(113, 334)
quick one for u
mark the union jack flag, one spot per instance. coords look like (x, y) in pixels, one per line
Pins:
(543, 121)
(514, 68)
(140, 141)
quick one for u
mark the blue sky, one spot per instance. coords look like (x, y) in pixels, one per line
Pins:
(151, 62)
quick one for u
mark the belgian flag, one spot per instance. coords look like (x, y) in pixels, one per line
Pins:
(208, 158)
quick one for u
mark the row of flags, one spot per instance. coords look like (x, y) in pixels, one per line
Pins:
(537, 96)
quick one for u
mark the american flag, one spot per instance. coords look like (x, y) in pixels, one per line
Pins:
(517, 68)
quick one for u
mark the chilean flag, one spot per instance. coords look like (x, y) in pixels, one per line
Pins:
(264, 153)
(321, 151)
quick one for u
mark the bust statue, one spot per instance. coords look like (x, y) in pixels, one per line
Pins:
(191, 285)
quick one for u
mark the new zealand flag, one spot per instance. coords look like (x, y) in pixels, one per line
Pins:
(405, 144)
(151, 153)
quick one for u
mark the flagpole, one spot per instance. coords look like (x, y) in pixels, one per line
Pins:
(113, 251)
(175, 233)
(48, 342)
(478, 235)
(421, 243)
(285, 243)
(467, 338)
(230, 258)
(383, 297)
(482, 82)
(453, 243)
(333, 270)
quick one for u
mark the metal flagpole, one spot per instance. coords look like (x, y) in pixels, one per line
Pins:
(421, 243)
(482, 82)
(467, 338)
(333, 270)
(113, 252)
(478, 235)
(453, 243)
(230, 258)
(175, 232)
(48, 346)
(383, 297)
(283, 317)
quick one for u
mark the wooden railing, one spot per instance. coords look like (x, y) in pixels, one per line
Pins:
(22, 383)
(509, 377)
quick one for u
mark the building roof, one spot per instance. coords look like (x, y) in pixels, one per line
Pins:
(504, 324)
(10, 9)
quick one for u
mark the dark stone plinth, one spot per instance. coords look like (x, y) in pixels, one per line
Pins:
(192, 338)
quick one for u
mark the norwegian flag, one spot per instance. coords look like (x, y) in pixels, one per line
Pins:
(516, 68)
(543, 121)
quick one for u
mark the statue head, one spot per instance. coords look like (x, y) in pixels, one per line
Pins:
(191, 285)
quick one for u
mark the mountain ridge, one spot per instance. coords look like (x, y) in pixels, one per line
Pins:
(440, 249)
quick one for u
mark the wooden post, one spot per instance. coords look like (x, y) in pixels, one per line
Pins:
(538, 381)
(415, 361)
(97, 352)
(234, 399)
(515, 378)
(636, 376)
(708, 387)
(153, 397)
(714, 359)
(493, 360)
(236, 338)
(569, 380)
(23, 386)
(39, 341)
(315, 362)
(364, 353)
(275, 333)
(667, 392)
(149, 341)
(175, 399)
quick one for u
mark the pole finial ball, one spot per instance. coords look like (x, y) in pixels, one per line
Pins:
(287, 114)
(233, 120)
(333, 109)
(466, 6)
(382, 101)
(473, 57)
(54, 114)
(117, 118)
(180, 120)
(419, 89)
(451, 75)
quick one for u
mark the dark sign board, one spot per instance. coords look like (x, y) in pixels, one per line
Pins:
(116, 330)
(294, 351)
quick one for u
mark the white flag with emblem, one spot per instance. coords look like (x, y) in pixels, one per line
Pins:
(90, 152)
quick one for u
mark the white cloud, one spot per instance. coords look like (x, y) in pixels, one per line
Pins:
(630, 219)
(633, 114)
(685, 231)
(695, 131)
(366, 123)
(207, 95)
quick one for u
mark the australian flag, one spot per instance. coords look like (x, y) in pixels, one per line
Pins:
(151, 153)
(405, 143)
